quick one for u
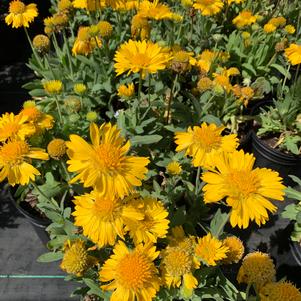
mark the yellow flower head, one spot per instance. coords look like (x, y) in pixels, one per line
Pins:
(55, 23)
(104, 164)
(41, 43)
(102, 217)
(245, 35)
(131, 273)
(91, 116)
(80, 88)
(293, 54)
(82, 4)
(140, 27)
(76, 259)
(15, 158)
(246, 189)
(210, 250)
(244, 18)
(208, 7)
(64, 5)
(269, 27)
(258, 269)
(280, 291)
(278, 21)
(235, 1)
(21, 14)
(56, 148)
(154, 10)
(290, 29)
(181, 61)
(15, 127)
(243, 94)
(154, 224)
(187, 3)
(72, 104)
(140, 57)
(174, 168)
(204, 84)
(126, 91)
(204, 142)
(205, 60)
(53, 87)
(105, 29)
(235, 249)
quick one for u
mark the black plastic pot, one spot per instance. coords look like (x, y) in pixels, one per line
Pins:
(266, 156)
(296, 251)
(39, 224)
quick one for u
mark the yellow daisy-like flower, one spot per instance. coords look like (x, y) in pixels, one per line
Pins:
(182, 61)
(258, 269)
(53, 87)
(210, 250)
(104, 164)
(144, 57)
(76, 259)
(91, 116)
(154, 10)
(280, 291)
(126, 91)
(246, 189)
(208, 7)
(82, 4)
(187, 3)
(174, 168)
(21, 14)
(154, 225)
(290, 29)
(140, 27)
(278, 21)
(105, 28)
(244, 94)
(268, 28)
(15, 158)
(132, 273)
(293, 54)
(244, 18)
(80, 88)
(235, 1)
(204, 84)
(179, 261)
(56, 148)
(204, 142)
(12, 126)
(41, 43)
(235, 249)
(102, 217)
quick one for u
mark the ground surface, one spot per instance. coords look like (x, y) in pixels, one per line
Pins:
(19, 248)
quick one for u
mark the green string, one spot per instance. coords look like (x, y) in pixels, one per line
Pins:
(7, 276)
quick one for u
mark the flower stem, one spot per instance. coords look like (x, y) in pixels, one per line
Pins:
(39, 190)
(58, 109)
(69, 55)
(171, 98)
(248, 291)
(197, 181)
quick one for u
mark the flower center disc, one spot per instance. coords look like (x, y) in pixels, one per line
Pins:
(177, 262)
(107, 157)
(207, 139)
(105, 207)
(17, 7)
(13, 152)
(141, 60)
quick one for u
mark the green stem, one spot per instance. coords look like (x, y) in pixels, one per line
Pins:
(296, 78)
(149, 88)
(139, 96)
(39, 190)
(58, 109)
(248, 291)
(285, 79)
(68, 55)
(171, 97)
(197, 181)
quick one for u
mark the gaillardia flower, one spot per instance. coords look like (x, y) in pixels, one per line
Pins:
(258, 269)
(236, 249)
(102, 217)
(245, 18)
(246, 189)
(56, 148)
(140, 57)
(53, 87)
(293, 54)
(209, 7)
(104, 164)
(132, 273)
(76, 259)
(21, 14)
(280, 291)
(126, 91)
(204, 142)
(210, 250)
(15, 158)
(174, 168)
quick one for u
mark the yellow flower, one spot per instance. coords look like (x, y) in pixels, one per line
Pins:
(278, 21)
(293, 54)
(205, 60)
(269, 27)
(72, 104)
(55, 23)
(131, 272)
(41, 43)
(179, 261)
(105, 164)
(21, 14)
(280, 291)
(245, 35)
(154, 10)
(182, 61)
(56, 148)
(91, 116)
(290, 29)
(204, 142)
(244, 18)
(15, 157)
(29, 104)
(154, 225)
(244, 94)
(12, 127)
(235, 1)
(204, 84)
(64, 5)
(221, 83)
(140, 57)
(53, 86)
(85, 44)
(208, 7)
(76, 259)
(246, 189)
(174, 168)
(235, 249)
(102, 217)
(105, 28)
(140, 27)
(258, 269)
(80, 88)
(187, 3)
(126, 91)
(210, 250)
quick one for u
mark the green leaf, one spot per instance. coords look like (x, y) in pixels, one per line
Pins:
(218, 223)
(50, 257)
(147, 139)
(296, 180)
(95, 289)
(212, 119)
(290, 212)
(282, 70)
(37, 93)
(178, 218)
